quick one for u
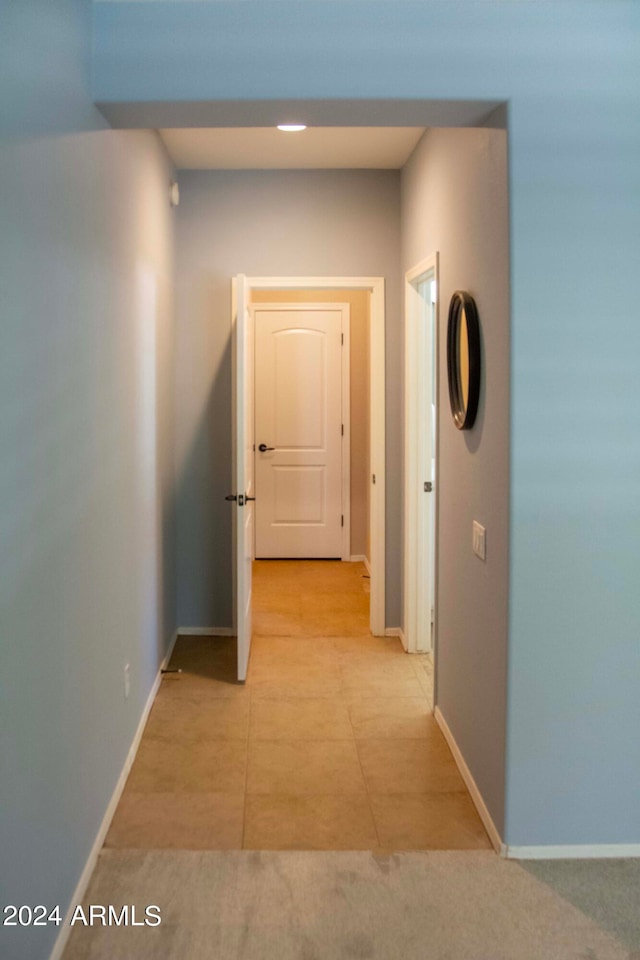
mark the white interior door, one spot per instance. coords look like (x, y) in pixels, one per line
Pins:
(299, 430)
(426, 469)
(420, 446)
(243, 487)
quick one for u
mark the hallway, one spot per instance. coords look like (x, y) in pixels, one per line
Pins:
(330, 744)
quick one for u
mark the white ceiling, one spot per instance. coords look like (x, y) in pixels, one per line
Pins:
(266, 148)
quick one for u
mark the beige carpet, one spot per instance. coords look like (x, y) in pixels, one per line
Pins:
(241, 905)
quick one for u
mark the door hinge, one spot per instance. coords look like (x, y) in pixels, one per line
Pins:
(428, 486)
(373, 478)
(342, 520)
(342, 339)
(342, 429)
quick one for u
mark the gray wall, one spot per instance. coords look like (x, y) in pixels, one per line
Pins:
(571, 74)
(86, 570)
(454, 201)
(71, 592)
(282, 223)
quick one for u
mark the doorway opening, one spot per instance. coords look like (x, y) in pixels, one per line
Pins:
(421, 461)
(243, 291)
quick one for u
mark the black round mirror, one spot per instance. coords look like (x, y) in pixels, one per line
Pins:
(463, 359)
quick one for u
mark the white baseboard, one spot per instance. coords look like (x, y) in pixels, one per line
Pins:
(168, 654)
(360, 558)
(587, 851)
(395, 632)
(540, 852)
(472, 787)
(206, 632)
(92, 859)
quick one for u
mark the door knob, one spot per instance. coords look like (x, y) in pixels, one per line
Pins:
(263, 448)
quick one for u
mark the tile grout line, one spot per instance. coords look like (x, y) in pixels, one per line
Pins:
(364, 779)
(342, 659)
(417, 675)
(421, 678)
(246, 769)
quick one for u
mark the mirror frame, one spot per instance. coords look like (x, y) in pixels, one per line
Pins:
(463, 418)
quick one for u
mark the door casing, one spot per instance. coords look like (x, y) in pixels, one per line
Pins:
(377, 441)
(420, 513)
(242, 463)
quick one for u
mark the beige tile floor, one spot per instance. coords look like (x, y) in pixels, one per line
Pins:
(330, 745)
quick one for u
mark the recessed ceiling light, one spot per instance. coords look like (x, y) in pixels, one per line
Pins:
(291, 127)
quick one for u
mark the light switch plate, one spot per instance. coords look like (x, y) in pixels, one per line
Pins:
(479, 541)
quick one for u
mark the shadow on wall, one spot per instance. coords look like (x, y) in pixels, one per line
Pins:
(207, 476)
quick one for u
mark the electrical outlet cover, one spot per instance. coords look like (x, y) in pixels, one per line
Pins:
(479, 541)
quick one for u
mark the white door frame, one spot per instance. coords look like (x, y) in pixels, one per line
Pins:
(345, 408)
(377, 443)
(418, 380)
(243, 494)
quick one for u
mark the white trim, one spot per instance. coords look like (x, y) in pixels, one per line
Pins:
(234, 455)
(346, 430)
(377, 396)
(587, 851)
(472, 787)
(377, 452)
(103, 829)
(359, 558)
(169, 653)
(416, 521)
(206, 632)
(396, 632)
